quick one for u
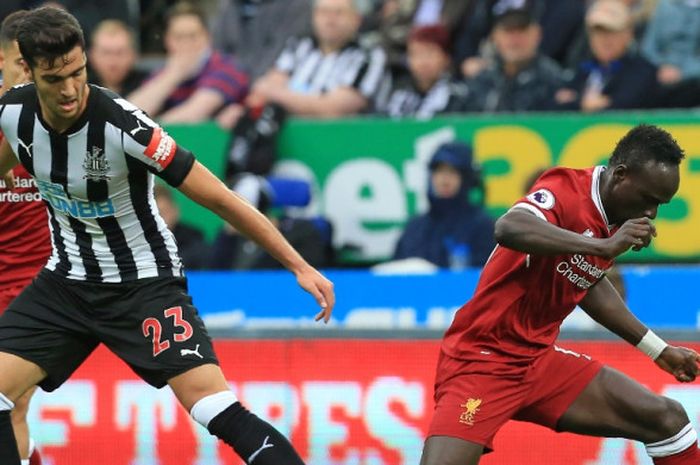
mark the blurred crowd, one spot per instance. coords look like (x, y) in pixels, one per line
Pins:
(217, 59)
(240, 62)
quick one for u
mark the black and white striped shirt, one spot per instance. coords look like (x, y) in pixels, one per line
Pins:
(96, 180)
(313, 72)
(403, 99)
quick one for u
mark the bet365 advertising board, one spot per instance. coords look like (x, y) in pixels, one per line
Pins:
(369, 175)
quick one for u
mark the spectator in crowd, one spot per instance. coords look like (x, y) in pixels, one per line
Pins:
(672, 42)
(328, 75)
(429, 89)
(113, 56)
(90, 13)
(197, 81)
(642, 11)
(190, 240)
(616, 77)
(520, 78)
(456, 231)
(152, 21)
(392, 23)
(561, 23)
(233, 251)
(256, 31)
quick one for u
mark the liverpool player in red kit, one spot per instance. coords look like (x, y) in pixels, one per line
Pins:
(24, 235)
(498, 360)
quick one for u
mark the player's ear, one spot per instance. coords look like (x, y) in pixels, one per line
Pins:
(620, 172)
(27, 69)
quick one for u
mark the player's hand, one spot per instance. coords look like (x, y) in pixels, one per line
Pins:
(681, 362)
(634, 234)
(321, 288)
(9, 179)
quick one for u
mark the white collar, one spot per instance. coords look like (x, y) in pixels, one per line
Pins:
(595, 193)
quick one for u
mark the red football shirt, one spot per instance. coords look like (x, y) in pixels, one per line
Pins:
(25, 245)
(522, 299)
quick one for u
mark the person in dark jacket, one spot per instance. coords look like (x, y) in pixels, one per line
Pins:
(519, 78)
(616, 77)
(456, 231)
(561, 22)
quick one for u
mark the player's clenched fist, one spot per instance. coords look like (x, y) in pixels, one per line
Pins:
(681, 362)
(635, 233)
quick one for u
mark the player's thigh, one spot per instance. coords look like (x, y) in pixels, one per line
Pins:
(444, 450)
(197, 383)
(615, 405)
(557, 378)
(18, 375)
(43, 328)
(15, 370)
(157, 331)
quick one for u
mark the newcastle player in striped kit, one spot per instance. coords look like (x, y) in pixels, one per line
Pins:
(114, 276)
(24, 234)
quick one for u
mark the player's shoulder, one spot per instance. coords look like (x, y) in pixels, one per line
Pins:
(565, 177)
(559, 184)
(19, 94)
(117, 110)
(110, 104)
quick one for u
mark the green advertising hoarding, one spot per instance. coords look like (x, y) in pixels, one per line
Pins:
(369, 175)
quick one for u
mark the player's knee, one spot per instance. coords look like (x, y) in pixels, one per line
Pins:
(19, 413)
(207, 408)
(668, 417)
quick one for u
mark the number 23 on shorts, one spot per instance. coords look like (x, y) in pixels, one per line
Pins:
(152, 325)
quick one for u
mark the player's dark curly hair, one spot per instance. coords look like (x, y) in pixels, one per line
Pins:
(48, 33)
(646, 143)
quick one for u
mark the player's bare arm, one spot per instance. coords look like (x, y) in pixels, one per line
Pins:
(604, 305)
(521, 230)
(7, 162)
(206, 189)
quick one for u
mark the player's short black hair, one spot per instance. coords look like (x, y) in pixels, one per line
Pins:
(48, 33)
(8, 29)
(185, 8)
(645, 143)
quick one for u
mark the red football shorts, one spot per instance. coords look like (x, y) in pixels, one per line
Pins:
(473, 400)
(8, 294)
